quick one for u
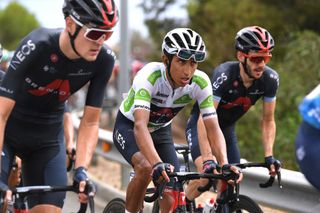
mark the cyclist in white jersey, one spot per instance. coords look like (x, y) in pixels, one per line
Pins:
(142, 131)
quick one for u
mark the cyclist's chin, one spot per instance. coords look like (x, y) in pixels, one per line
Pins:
(90, 57)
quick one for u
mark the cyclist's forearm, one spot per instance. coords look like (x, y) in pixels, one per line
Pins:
(86, 143)
(217, 141)
(203, 141)
(145, 144)
(268, 136)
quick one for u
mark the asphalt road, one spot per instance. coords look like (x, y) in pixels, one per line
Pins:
(72, 205)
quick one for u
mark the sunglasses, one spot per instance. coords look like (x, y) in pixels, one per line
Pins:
(94, 34)
(186, 54)
(258, 59)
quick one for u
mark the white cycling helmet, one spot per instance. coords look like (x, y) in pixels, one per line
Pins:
(184, 39)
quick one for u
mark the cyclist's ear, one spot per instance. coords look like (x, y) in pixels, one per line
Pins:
(165, 60)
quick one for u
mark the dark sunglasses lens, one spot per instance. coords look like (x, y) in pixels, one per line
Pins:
(199, 56)
(258, 60)
(185, 54)
(96, 35)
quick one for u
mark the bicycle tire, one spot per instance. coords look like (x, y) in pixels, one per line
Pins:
(116, 205)
(155, 207)
(245, 204)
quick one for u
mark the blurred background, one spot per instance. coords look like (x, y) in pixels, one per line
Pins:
(293, 24)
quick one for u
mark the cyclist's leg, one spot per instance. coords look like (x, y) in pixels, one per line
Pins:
(124, 140)
(230, 136)
(7, 157)
(6, 163)
(163, 142)
(44, 164)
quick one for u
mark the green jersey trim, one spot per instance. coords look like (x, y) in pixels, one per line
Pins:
(143, 94)
(185, 99)
(154, 76)
(201, 82)
(208, 102)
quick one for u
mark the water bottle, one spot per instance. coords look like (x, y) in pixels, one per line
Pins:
(208, 206)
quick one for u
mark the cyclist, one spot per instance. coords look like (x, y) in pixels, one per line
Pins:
(142, 131)
(236, 86)
(308, 137)
(48, 66)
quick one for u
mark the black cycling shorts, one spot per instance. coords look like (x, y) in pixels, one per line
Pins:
(42, 151)
(124, 140)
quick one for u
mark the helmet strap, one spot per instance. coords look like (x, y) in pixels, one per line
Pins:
(244, 64)
(73, 38)
(170, 57)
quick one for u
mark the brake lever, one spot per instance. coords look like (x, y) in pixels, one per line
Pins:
(279, 179)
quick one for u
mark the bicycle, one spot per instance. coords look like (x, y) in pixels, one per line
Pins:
(20, 196)
(117, 205)
(230, 200)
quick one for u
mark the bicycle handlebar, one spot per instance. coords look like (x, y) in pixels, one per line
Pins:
(271, 178)
(29, 190)
(185, 176)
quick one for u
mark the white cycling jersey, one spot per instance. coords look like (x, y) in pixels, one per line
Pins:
(152, 91)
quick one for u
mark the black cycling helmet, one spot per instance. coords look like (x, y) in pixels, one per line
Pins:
(254, 38)
(97, 13)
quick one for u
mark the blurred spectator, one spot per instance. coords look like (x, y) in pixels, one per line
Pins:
(136, 66)
(6, 58)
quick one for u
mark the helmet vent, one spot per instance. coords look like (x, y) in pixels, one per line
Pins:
(179, 40)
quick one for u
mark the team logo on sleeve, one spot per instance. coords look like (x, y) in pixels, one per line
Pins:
(143, 94)
(222, 78)
(22, 53)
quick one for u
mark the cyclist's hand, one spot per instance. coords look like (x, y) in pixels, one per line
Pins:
(227, 169)
(79, 180)
(210, 167)
(273, 165)
(160, 170)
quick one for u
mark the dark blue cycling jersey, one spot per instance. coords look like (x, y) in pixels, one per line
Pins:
(40, 77)
(233, 97)
(234, 101)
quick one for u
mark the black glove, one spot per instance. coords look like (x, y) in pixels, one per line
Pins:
(271, 160)
(80, 175)
(209, 166)
(157, 170)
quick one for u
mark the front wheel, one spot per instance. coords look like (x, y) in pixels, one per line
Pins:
(116, 205)
(245, 204)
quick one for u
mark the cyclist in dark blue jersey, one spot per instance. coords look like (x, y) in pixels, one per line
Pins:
(48, 66)
(236, 86)
(308, 137)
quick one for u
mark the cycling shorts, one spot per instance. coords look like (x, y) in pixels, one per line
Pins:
(307, 152)
(124, 140)
(42, 151)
